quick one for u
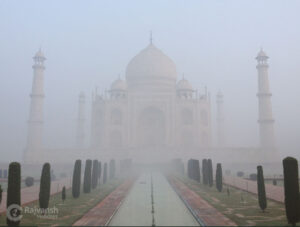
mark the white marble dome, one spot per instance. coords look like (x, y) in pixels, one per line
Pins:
(262, 55)
(39, 54)
(118, 85)
(185, 85)
(150, 63)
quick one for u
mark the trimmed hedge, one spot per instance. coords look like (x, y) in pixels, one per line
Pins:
(45, 185)
(87, 180)
(194, 169)
(105, 173)
(210, 172)
(291, 190)
(262, 198)
(14, 189)
(219, 177)
(100, 172)
(76, 182)
(95, 173)
(29, 181)
(204, 172)
(63, 194)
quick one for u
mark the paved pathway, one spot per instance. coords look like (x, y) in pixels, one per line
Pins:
(273, 192)
(169, 210)
(208, 215)
(101, 214)
(31, 194)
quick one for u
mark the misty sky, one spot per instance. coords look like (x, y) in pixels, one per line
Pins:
(88, 43)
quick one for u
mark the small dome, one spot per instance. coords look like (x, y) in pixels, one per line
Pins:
(261, 54)
(183, 84)
(39, 54)
(151, 63)
(119, 85)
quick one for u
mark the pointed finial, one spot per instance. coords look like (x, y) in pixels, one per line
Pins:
(151, 39)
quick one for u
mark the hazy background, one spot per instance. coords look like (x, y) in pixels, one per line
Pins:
(88, 43)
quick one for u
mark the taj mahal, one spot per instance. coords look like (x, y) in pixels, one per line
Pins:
(151, 115)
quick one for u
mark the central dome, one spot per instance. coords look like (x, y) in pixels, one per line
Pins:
(150, 64)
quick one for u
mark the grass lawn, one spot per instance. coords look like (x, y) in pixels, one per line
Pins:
(241, 207)
(71, 210)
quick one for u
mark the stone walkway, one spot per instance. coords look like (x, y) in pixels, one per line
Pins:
(152, 201)
(102, 213)
(273, 192)
(207, 214)
(31, 194)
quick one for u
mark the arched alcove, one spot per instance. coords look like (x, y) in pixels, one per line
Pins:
(116, 117)
(151, 127)
(204, 117)
(115, 139)
(187, 139)
(187, 116)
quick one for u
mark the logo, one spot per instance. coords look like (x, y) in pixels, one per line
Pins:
(13, 213)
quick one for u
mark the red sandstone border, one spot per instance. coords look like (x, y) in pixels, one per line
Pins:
(202, 210)
(102, 213)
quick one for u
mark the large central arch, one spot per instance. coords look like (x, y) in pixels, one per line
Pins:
(151, 128)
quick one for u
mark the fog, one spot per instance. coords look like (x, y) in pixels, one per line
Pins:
(89, 43)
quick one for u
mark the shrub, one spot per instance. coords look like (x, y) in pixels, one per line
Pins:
(1, 190)
(105, 173)
(63, 194)
(14, 190)
(45, 185)
(189, 169)
(204, 171)
(262, 199)
(100, 171)
(240, 174)
(87, 176)
(29, 181)
(112, 169)
(194, 169)
(210, 172)
(291, 190)
(219, 180)
(95, 173)
(76, 183)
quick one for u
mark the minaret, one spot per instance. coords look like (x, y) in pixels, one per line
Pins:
(34, 147)
(265, 117)
(220, 120)
(80, 136)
